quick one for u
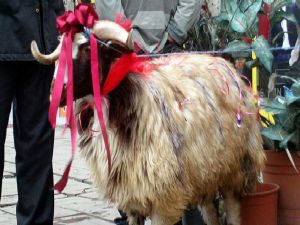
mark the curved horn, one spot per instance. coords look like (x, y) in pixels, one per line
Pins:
(108, 30)
(129, 41)
(45, 59)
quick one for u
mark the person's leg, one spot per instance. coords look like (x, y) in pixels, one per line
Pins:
(34, 139)
(6, 95)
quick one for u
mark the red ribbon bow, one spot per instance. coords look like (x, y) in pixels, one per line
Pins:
(83, 16)
(69, 24)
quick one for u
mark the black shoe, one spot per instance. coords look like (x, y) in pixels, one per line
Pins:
(121, 221)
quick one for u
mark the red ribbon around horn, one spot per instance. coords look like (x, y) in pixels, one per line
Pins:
(69, 24)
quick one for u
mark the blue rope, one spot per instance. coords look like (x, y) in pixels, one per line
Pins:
(86, 33)
(212, 52)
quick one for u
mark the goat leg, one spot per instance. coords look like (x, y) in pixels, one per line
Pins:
(210, 213)
(232, 209)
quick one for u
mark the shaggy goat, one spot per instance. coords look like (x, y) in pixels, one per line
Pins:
(174, 136)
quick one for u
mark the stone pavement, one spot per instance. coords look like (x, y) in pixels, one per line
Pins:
(78, 204)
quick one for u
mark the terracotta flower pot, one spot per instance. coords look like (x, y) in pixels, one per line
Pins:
(260, 208)
(279, 170)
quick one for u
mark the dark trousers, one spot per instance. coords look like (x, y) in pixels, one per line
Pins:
(27, 85)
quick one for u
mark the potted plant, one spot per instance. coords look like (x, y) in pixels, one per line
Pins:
(237, 31)
(260, 207)
(283, 163)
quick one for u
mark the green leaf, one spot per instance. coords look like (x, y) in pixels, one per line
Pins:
(289, 138)
(275, 133)
(262, 51)
(280, 119)
(226, 11)
(269, 2)
(275, 106)
(298, 3)
(253, 30)
(222, 17)
(296, 88)
(278, 4)
(236, 46)
(250, 9)
(285, 120)
(231, 12)
(280, 15)
(246, 4)
(239, 22)
(292, 100)
(233, 5)
(226, 7)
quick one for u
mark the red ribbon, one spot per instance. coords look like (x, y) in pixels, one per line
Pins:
(97, 94)
(69, 24)
(127, 63)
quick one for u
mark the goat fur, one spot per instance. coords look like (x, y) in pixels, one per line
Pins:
(174, 140)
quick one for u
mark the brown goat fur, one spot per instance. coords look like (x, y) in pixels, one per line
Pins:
(174, 140)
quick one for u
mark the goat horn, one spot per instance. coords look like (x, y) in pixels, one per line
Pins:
(129, 41)
(45, 59)
(108, 30)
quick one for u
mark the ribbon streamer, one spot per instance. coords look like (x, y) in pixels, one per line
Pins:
(97, 94)
(69, 24)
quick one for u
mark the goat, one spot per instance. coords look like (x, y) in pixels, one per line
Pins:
(174, 136)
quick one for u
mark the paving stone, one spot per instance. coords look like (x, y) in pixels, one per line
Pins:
(81, 219)
(94, 208)
(8, 200)
(10, 210)
(60, 212)
(78, 204)
(9, 196)
(10, 166)
(7, 175)
(74, 188)
(9, 186)
(59, 195)
(7, 218)
(91, 194)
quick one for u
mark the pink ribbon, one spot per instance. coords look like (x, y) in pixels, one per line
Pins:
(97, 95)
(69, 24)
